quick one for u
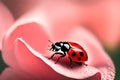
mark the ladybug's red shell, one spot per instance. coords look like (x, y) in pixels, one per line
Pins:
(78, 54)
(75, 52)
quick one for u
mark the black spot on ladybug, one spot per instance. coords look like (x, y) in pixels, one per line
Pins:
(81, 54)
(79, 58)
(73, 54)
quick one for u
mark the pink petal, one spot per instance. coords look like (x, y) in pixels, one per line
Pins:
(31, 32)
(12, 74)
(97, 57)
(19, 7)
(6, 20)
(34, 15)
(52, 13)
(38, 66)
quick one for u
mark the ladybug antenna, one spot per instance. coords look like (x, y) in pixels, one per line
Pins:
(51, 41)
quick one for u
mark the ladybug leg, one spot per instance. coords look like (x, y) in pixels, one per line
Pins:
(70, 62)
(79, 63)
(54, 55)
(63, 55)
(85, 64)
(59, 58)
(51, 49)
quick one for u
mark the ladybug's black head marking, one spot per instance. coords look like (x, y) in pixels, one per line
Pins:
(60, 44)
(63, 46)
(55, 47)
(66, 47)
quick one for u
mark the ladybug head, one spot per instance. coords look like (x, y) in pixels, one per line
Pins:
(54, 47)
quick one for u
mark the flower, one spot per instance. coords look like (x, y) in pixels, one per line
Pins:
(103, 19)
(6, 20)
(25, 51)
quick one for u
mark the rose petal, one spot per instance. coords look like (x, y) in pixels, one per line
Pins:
(42, 65)
(6, 20)
(34, 15)
(12, 74)
(54, 14)
(31, 64)
(32, 32)
(21, 6)
(97, 57)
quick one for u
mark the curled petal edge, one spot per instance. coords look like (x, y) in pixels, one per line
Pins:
(82, 72)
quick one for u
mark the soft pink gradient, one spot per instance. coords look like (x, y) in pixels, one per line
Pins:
(6, 19)
(19, 7)
(28, 50)
(100, 16)
(104, 20)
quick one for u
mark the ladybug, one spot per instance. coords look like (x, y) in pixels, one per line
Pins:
(75, 52)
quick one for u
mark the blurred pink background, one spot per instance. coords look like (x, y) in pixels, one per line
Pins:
(99, 16)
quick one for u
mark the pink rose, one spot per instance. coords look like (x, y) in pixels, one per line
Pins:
(25, 51)
(101, 17)
(6, 20)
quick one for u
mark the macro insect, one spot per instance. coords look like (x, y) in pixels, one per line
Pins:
(75, 52)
